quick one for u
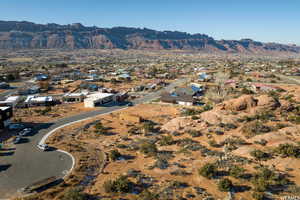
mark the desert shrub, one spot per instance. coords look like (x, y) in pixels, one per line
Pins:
(46, 110)
(122, 146)
(148, 126)
(185, 151)
(262, 142)
(194, 117)
(207, 107)
(186, 141)
(178, 184)
(218, 132)
(260, 155)
(266, 178)
(190, 112)
(255, 128)
(294, 119)
(194, 133)
(161, 163)
(225, 185)
(234, 140)
(134, 131)
(114, 154)
(213, 143)
(74, 194)
(121, 184)
(100, 129)
(147, 195)
(265, 116)
(258, 195)
(179, 172)
(281, 125)
(288, 150)
(236, 171)
(260, 184)
(166, 140)
(274, 94)
(148, 148)
(246, 91)
(109, 186)
(209, 170)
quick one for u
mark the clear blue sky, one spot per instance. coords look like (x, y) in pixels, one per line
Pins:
(263, 20)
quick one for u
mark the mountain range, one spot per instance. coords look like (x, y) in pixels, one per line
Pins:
(28, 35)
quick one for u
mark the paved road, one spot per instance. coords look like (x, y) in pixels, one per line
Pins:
(28, 164)
(288, 78)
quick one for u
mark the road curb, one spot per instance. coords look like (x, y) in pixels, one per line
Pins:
(45, 137)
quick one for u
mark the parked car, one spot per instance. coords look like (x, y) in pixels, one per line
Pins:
(25, 132)
(130, 104)
(43, 147)
(17, 140)
(15, 126)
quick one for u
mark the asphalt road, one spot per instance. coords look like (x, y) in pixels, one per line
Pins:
(28, 164)
(288, 78)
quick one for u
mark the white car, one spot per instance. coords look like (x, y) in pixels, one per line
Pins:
(43, 147)
(25, 132)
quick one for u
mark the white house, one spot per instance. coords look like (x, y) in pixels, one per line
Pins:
(75, 97)
(39, 101)
(95, 99)
(11, 101)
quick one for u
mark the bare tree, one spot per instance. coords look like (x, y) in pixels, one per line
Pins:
(218, 93)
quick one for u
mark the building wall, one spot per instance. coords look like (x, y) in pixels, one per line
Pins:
(185, 103)
(91, 103)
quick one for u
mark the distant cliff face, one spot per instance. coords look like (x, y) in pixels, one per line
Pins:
(21, 35)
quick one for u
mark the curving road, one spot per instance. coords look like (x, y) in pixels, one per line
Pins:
(29, 164)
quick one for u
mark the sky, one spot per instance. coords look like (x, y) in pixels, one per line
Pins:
(261, 20)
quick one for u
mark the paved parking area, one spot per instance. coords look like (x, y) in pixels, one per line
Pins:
(28, 164)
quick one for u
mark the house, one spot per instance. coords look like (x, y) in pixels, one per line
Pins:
(119, 97)
(39, 101)
(182, 99)
(197, 88)
(183, 95)
(89, 87)
(124, 77)
(256, 87)
(193, 90)
(97, 99)
(11, 101)
(31, 90)
(93, 78)
(204, 77)
(5, 114)
(74, 97)
(231, 83)
(41, 77)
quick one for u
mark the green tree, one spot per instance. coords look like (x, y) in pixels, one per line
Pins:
(208, 170)
(75, 194)
(236, 171)
(114, 154)
(225, 185)
(148, 148)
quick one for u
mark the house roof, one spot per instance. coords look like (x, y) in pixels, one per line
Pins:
(4, 108)
(172, 98)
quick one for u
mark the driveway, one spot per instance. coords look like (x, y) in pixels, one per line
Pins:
(29, 164)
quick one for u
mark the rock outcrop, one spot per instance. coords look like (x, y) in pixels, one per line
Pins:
(21, 35)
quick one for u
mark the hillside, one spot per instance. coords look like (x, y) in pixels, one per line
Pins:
(27, 35)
